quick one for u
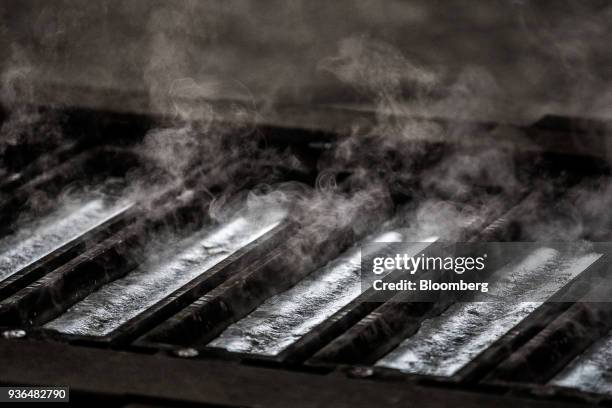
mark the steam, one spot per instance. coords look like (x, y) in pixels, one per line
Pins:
(393, 151)
(25, 123)
(206, 91)
(204, 131)
(478, 180)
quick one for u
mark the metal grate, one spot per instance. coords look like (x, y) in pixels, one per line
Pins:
(262, 295)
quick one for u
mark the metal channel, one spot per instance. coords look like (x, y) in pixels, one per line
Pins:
(387, 324)
(359, 308)
(38, 241)
(446, 343)
(55, 292)
(282, 268)
(550, 351)
(283, 319)
(162, 283)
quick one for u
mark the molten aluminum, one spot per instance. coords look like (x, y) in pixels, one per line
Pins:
(114, 304)
(286, 317)
(591, 371)
(40, 238)
(446, 343)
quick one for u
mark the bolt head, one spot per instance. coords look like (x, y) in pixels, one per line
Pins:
(13, 334)
(187, 352)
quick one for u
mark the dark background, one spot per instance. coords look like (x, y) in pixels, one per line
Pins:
(513, 60)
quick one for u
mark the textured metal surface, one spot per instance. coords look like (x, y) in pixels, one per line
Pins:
(284, 318)
(591, 371)
(73, 218)
(444, 344)
(114, 304)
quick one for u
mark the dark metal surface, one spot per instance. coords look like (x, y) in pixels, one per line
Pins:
(173, 381)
